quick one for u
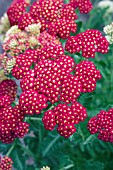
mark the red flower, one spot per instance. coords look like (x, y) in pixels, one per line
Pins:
(9, 88)
(6, 163)
(16, 9)
(102, 124)
(31, 102)
(25, 20)
(84, 6)
(11, 125)
(65, 117)
(87, 74)
(88, 42)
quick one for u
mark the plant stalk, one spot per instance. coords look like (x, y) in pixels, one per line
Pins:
(50, 145)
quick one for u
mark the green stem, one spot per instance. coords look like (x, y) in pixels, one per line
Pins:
(51, 107)
(37, 118)
(27, 150)
(88, 139)
(50, 145)
(81, 134)
(67, 167)
(10, 150)
(32, 118)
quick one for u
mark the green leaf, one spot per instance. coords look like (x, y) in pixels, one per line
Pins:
(94, 165)
(34, 124)
(79, 26)
(4, 148)
(19, 159)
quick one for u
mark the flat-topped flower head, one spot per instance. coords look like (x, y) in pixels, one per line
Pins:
(25, 20)
(16, 9)
(8, 87)
(102, 124)
(87, 74)
(89, 42)
(4, 26)
(11, 124)
(16, 43)
(84, 6)
(13, 30)
(32, 102)
(65, 117)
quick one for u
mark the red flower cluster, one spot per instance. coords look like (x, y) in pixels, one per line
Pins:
(71, 89)
(48, 76)
(62, 28)
(103, 125)
(11, 124)
(25, 20)
(16, 9)
(24, 62)
(46, 39)
(47, 73)
(51, 52)
(11, 119)
(6, 163)
(54, 16)
(8, 88)
(31, 102)
(65, 117)
(88, 42)
(4, 101)
(87, 75)
(84, 6)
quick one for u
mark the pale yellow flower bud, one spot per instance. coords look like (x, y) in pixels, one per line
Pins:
(108, 29)
(10, 64)
(4, 24)
(45, 168)
(13, 30)
(33, 29)
(33, 42)
(2, 76)
(13, 43)
(109, 33)
(106, 3)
